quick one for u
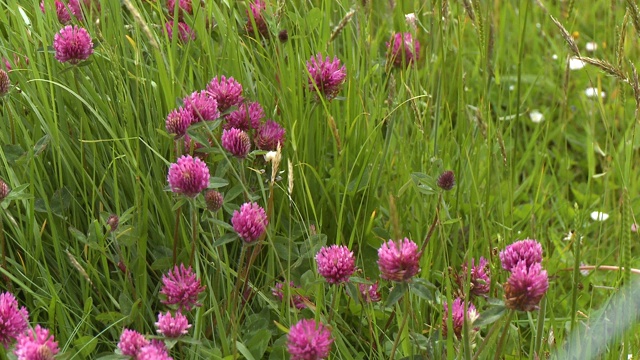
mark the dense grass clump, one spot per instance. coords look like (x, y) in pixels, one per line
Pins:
(269, 179)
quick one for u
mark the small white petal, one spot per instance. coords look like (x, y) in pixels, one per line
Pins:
(593, 92)
(270, 156)
(591, 46)
(576, 64)
(599, 216)
(512, 87)
(536, 116)
(554, 57)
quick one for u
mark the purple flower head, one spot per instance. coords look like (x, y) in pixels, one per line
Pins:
(236, 142)
(76, 7)
(399, 261)
(155, 350)
(403, 49)
(130, 342)
(296, 300)
(370, 292)
(181, 287)
(188, 176)
(269, 135)
(250, 222)
(308, 340)
(203, 106)
(327, 75)
(178, 121)
(72, 44)
(185, 33)
(5, 83)
(447, 180)
(246, 118)
(36, 344)
(526, 286)
(214, 200)
(226, 91)
(184, 6)
(172, 326)
(63, 14)
(480, 281)
(4, 192)
(527, 250)
(13, 319)
(457, 317)
(256, 12)
(335, 263)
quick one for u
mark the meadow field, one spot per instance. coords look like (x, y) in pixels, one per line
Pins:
(311, 179)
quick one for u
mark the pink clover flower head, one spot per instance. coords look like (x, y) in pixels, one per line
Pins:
(72, 44)
(457, 317)
(403, 49)
(172, 326)
(4, 192)
(203, 106)
(36, 344)
(250, 222)
(528, 250)
(178, 121)
(14, 320)
(236, 142)
(181, 287)
(296, 300)
(184, 6)
(155, 350)
(5, 83)
(256, 11)
(247, 117)
(327, 75)
(269, 135)
(63, 14)
(480, 277)
(370, 292)
(188, 176)
(399, 261)
(335, 263)
(308, 340)
(185, 33)
(130, 342)
(226, 91)
(526, 286)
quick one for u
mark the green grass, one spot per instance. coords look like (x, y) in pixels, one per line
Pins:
(81, 143)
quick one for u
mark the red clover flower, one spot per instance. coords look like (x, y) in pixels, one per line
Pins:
(203, 106)
(13, 319)
(328, 76)
(399, 261)
(403, 49)
(247, 117)
(308, 340)
(36, 344)
(526, 286)
(185, 33)
(155, 350)
(188, 176)
(257, 8)
(130, 342)
(181, 287)
(72, 44)
(236, 142)
(179, 120)
(250, 222)
(184, 6)
(269, 135)
(213, 199)
(296, 300)
(370, 292)
(226, 91)
(458, 317)
(5, 83)
(172, 326)
(529, 251)
(480, 281)
(335, 263)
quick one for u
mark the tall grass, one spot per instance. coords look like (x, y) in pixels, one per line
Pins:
(81, 143)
